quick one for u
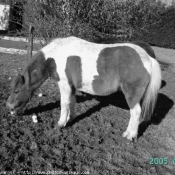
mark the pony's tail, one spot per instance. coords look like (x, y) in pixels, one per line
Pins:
(151, 93)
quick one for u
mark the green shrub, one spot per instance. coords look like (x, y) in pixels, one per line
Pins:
(162, 34)
(127, 20)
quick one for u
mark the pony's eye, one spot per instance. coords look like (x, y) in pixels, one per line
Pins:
(16, 91)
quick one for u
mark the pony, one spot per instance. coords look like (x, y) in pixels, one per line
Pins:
(94, 68)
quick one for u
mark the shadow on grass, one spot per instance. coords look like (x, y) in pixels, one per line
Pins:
(163, 84)
(40, 109)
(117, 99)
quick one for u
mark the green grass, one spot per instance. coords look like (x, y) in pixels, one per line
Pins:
(93, 142)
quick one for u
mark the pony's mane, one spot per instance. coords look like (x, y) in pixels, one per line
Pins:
(107, 41)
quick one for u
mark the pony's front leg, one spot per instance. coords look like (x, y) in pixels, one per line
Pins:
(67, 104)
(132, 129)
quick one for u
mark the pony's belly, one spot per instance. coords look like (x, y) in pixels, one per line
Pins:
(105, 87)
(102, 88)
(87, 88)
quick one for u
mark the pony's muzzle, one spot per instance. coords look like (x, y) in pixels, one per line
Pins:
(9, 106)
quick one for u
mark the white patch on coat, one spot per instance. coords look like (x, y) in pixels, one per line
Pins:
(60, 49)
(65, 91)
(145, 58)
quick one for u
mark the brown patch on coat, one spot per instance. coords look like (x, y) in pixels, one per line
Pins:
(74, 71)
(121, 66)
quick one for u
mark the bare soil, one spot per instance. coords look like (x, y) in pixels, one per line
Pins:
(92, 144)
(165, 54)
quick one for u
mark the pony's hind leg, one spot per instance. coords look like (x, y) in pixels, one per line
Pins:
(133, 93)
(67, 103)
(132, 129)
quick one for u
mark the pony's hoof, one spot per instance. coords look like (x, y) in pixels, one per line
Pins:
(62, 124)
(129, 135)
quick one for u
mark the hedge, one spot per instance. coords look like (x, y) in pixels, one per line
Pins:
(127, 20)
(162, 34)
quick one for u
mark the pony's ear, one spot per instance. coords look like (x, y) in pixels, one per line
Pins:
(27, 78)
(17, 81)
(21, 79)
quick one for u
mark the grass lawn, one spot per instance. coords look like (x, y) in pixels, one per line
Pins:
(92, 144)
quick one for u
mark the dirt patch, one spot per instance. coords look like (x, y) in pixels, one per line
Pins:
(166, 58)
(91, 144)
(163, 54)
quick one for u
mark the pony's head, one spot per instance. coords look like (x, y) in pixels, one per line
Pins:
(35, 73)
(20, 93)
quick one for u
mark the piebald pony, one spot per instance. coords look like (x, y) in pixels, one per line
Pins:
(97, 69)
